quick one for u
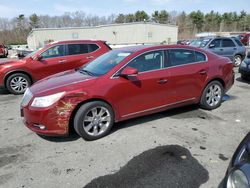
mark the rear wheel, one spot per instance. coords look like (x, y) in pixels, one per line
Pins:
(212, 95)
(237, 60)
(17, 83)
(94, 120)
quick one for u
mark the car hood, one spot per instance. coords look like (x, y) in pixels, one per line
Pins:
(59, 82)
(10, 62)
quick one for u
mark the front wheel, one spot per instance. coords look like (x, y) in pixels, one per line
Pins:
(212, 95)
(94, 120)
(17, 83)
(237, 60)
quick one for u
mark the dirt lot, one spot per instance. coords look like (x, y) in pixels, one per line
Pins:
(185, 147)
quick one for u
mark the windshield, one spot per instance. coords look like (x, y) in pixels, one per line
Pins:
(104, 63)
(200, 43)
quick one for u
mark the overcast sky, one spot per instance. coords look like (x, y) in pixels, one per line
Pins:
(12, 8)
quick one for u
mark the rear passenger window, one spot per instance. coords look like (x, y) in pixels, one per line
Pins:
(74, 49)
(200, 57)
(181, 57)
(227, 43)
(93, 47)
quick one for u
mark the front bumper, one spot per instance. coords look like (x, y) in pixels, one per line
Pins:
(51, 121)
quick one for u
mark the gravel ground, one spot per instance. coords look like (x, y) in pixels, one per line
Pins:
(184, 147)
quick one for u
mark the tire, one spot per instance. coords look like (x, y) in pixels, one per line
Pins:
(212, 96)
(237, 60)
(89, 126)
(17, 83)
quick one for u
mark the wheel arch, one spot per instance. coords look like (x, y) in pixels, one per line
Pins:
(17, 71)
(73, 113)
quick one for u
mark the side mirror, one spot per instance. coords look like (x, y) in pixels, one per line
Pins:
(211, 45)
(129, 71)
(38, 58)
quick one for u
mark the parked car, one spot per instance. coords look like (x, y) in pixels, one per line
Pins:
(245, 39)
(3, 51)
(244, 68)
(125, 83)
(238, 172)
(18, 75)
(224, 46)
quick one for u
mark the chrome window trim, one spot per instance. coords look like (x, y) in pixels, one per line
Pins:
(66, 50)
(163, 68)
(158, 107)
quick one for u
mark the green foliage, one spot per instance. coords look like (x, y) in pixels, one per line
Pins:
(160, 17)
(34, 21)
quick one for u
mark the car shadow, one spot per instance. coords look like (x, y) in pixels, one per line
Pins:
(73, 136)
(247, 81)
(4, 91)
(163, 166)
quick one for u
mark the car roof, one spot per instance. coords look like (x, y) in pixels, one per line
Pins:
(140, 48)
(76, 41)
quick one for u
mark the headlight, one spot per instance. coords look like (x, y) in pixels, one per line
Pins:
(27, 96)
(46, 100)
(243, 64)
(237, 179)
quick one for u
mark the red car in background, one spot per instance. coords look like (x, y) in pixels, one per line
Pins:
(3, 51)
(123, 84)
(17, 75)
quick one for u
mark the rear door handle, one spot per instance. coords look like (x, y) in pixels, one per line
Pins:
(202, 72)
(162, 81)
(62, 61)
(90, 57)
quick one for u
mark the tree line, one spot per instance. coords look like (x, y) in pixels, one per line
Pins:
(16, 30)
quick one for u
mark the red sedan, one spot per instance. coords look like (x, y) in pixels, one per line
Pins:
(123, 84)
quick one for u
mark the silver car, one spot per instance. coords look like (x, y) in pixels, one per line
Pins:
(224, 46)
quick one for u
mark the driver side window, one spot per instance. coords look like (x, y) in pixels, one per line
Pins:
(55, 51)
(147, 62)
(216, 43)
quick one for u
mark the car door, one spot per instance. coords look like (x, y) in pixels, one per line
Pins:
(145, 91)
(51, 62)
(79, 54)
(229, 48)
(188, 73)
(215, 46)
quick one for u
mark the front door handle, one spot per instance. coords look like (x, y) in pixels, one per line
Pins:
(62, 61)
(202, 72)
(162, 81)
(90, 57)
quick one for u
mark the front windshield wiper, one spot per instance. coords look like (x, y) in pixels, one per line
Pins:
(83, 71)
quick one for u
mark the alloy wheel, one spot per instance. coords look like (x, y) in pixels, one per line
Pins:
(237, 61)
(96, 121)
(213, 95)
(19, 84)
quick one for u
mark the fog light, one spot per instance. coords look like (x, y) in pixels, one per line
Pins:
(42, 127)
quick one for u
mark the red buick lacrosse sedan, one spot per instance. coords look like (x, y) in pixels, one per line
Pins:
(123, 84)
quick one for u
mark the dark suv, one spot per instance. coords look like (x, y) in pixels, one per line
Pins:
(17, 75)
(224, 46)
